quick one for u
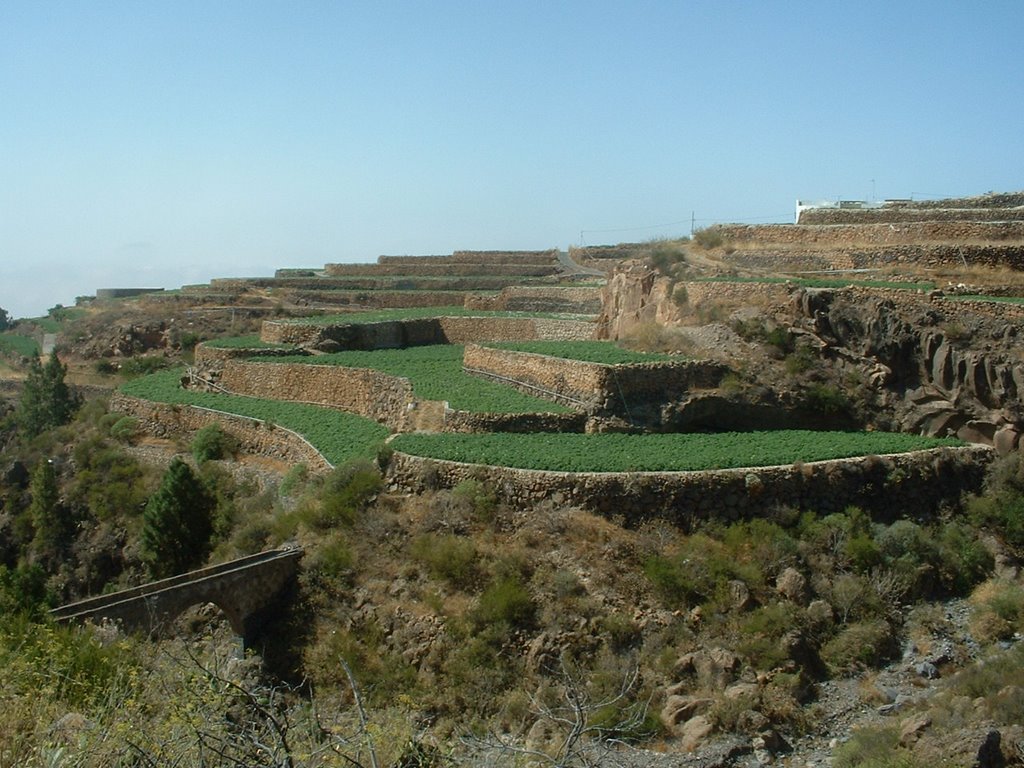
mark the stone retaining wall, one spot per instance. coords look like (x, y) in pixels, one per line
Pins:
(254, 436)
(839, 235)
(363, 391)
(898, 214)
(505, 257)
(888, 487)
(845, 259)
(768, 294)
(382, 299)
(468, 421)
(596, 388)
(441, 270)
(396, 283)
(207, 353)
(572, 300)
(443, 330)
(477, 257)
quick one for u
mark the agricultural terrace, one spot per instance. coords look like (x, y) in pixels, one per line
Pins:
(435, 372)
(994, 299)
(17, 344)
(412, 313)
(822, 282)
(339, 436)
(614, 452)
(245, 342)
(601, 352)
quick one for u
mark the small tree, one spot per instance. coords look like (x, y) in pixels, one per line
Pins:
(5, 319)
(50, 519)
(178, 522)
(46, 401)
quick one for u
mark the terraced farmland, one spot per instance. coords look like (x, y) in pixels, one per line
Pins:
(658, 453)
(436, 374)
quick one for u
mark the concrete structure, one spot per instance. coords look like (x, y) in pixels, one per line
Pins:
(244, 589)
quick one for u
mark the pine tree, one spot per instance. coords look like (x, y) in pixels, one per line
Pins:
(50, 519)
(178, 522)
(46, 401)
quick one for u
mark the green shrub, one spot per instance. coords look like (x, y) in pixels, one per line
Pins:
(134, 367)
(506, 603)
(708, 238)
(873, 747)
(827, 399)
(762, 631)
(212, 443)
(620, 631)
(347, 491)
(293, 480)
(448, 557)
(801, 360)
(858, 645)
(124, 429)
(664, 257)
(478, 499)
(332, 562)
(680, 296)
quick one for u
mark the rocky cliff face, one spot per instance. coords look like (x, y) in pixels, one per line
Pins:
(924, 367)
(635, 295)
(942, 377)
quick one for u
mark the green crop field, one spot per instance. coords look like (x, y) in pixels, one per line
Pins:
(668, 453)
(16, 344)
(604, 352)
(436, 373)
(338, 436)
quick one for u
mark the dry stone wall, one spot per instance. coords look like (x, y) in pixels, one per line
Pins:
(382, 299)
(468, 421)
(593, 387)
(899, 214)
(887, 486)
(927, 256)
(362, 391)
(255, 437)
(839, 235)
(441, 270)
(443, 330)
(206, 354)
(571, 300)
(477, 257)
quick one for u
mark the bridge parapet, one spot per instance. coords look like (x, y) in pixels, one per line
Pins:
(242, 588)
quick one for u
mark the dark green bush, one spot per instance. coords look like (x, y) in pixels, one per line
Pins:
(858, 645)
(212, 443)
(347, 491)
(505, 603)
(452, 558)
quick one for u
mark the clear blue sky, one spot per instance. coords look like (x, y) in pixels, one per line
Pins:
(166, 143)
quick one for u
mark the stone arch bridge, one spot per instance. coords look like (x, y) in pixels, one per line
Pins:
(243, 589)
